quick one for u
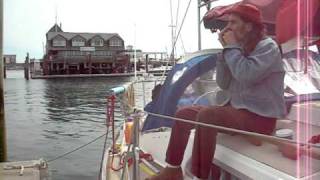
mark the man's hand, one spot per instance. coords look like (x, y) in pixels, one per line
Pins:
(229, 38)
(221, 34)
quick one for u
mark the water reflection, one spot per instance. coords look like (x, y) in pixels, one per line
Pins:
(46, 118)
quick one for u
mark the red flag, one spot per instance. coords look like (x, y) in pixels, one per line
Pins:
(297, 18)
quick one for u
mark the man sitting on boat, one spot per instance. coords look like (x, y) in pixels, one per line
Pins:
(251, 74)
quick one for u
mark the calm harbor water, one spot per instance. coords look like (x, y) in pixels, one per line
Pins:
(46, 118)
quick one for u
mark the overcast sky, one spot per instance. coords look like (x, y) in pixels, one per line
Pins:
(144, 23)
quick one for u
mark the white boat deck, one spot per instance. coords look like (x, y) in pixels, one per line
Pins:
(239, 157)
(245, 161)
(156, 144)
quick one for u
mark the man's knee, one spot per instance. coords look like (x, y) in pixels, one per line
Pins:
(210, 116)
(206, 116)
(186, 113)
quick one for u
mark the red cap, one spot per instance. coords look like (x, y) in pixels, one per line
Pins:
(247, 11)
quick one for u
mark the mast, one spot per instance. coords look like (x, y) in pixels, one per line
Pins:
(199, 25)
(135, 54)
(172, 35)
(206, 3)
(56, 20)
(3, 148)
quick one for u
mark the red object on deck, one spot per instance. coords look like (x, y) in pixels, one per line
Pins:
(315, 139)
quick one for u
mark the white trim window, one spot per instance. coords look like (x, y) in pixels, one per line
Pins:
(115, 42)
(97, 42)
(59, 41)
(78, 41)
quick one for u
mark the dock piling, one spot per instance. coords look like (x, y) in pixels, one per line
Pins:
(3, 143)
(90, 64)
(4, 68)
(147, 62)
(26, 67)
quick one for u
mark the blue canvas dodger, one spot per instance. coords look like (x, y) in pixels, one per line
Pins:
(179, 78)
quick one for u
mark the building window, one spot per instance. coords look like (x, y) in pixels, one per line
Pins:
(59, 41)
(102, 53)
(108, 53)
(78, 42)
(97, 42)
(116, 42)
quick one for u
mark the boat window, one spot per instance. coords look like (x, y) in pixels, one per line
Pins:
(314, 48)
(202, 91)
(302, 71)
(292, 65)
(297, 60)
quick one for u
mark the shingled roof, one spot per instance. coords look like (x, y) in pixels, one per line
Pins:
(55, 28)
(87, 36)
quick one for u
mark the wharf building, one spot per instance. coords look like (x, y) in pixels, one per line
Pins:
(9, 59)
(10, 62)
(84, 53)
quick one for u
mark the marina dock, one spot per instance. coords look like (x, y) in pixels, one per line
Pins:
(83, 75)
(154, 72)
(24, 170)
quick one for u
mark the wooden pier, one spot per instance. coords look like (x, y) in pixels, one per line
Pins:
(24, 170)
(156, 73)
(83, 75)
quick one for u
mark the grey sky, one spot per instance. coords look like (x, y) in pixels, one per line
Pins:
(27, 21)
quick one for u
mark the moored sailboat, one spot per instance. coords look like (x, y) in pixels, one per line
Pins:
(239, 157)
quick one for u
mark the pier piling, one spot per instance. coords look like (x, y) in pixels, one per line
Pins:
(90, 63)
(26, 67)
(147, 62)
(4, 69)
(3, 144)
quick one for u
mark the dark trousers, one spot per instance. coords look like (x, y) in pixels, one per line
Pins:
(205, 138)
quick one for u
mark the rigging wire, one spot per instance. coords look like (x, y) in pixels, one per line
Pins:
(175, 41)
(175, 32)
(103, 154)
(175, 29)
(184, 17)
(84, 145)
(305, 149)
(172, 33)
(182, 45)
(78, 148)
(242, 132)
(177, 14)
